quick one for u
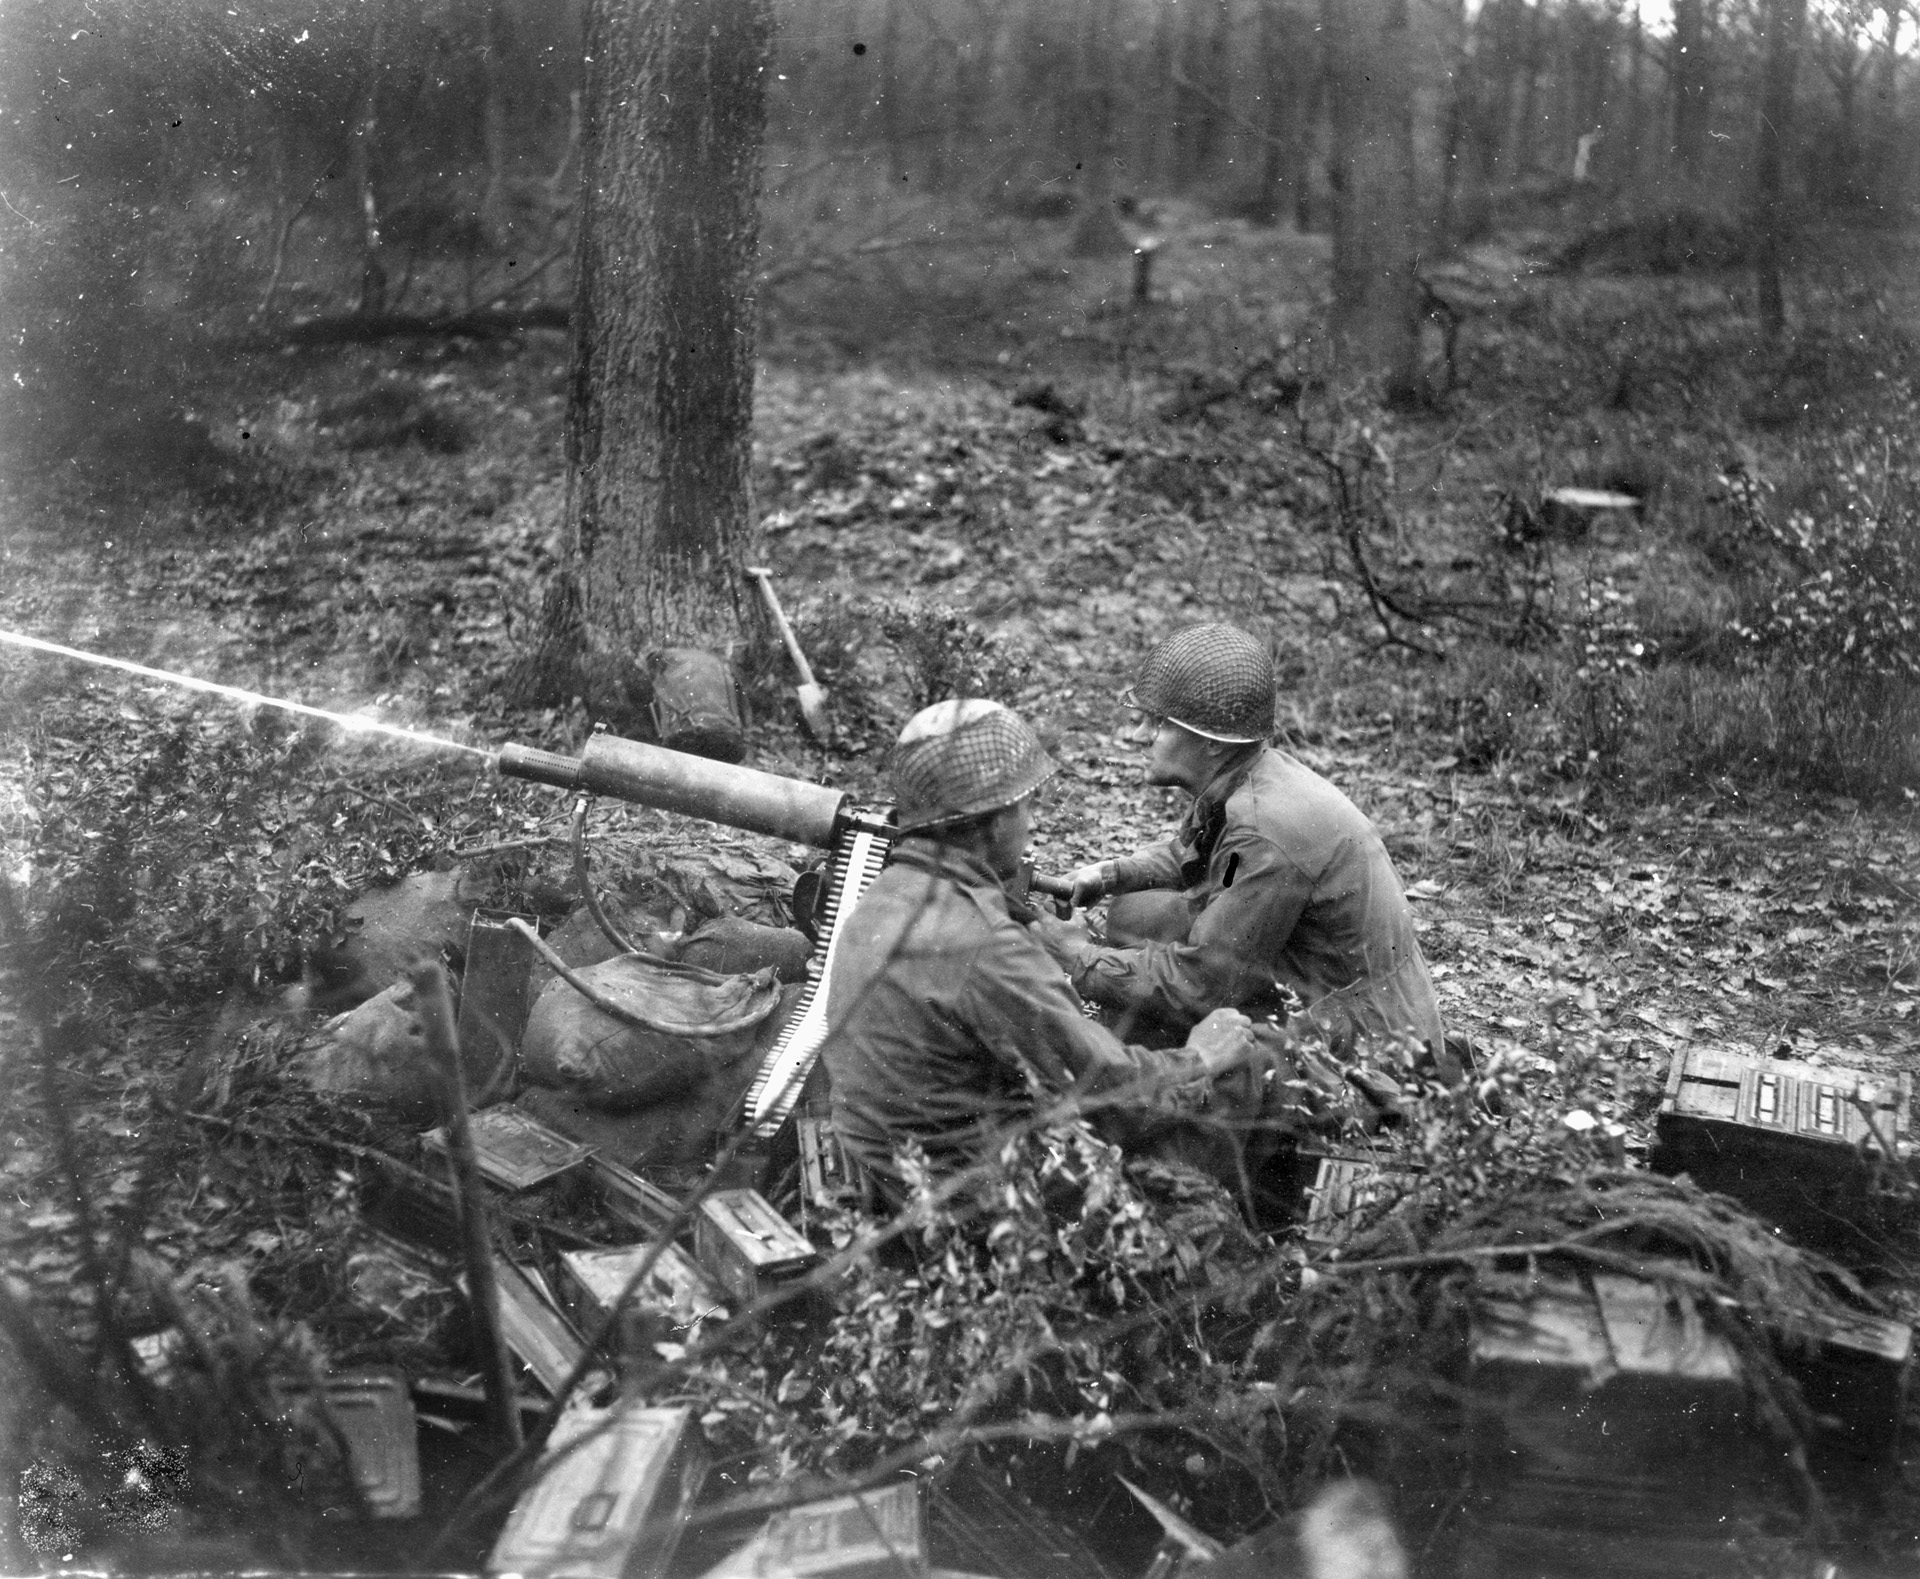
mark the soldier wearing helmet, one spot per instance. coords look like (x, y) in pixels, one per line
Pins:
(1273, 875)
(946, 1019)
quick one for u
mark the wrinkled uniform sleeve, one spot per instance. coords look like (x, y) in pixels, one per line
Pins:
(1227, 958)
(1155, 866)
(1022, 1011)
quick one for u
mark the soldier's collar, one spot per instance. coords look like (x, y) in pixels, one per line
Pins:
(943, 860)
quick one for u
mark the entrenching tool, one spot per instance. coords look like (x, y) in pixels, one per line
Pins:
(811, 696)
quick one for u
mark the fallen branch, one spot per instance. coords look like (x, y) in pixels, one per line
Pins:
(484, 323)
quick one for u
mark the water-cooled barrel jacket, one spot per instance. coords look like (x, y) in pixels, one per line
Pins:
(943, 1015)
(1285, 877)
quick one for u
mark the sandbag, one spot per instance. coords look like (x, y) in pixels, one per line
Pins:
(734, 946)
(375, 1053)
(573, 1045)
(696, 705)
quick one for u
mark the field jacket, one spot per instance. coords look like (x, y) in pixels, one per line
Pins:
(1285, 879)
(946, 1019)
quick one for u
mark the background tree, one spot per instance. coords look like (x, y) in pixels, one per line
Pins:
(1785, 21)
(1376, 216)
(1691, 81)
(660, 397)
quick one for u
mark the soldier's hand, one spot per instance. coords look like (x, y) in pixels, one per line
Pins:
(1222, 1037)
(1064, 940)
(1090, 884)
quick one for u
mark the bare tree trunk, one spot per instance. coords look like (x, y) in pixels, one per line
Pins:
(1098, 233)
(1189, 106)
(373, 272)
(1632, 131)
(1278, 102)
(1692, 86)
(1212, 85)
(1305, 142)
(493, 123)
(658, 509)
(1376, 227)
(891, 132)
(1161, 158)
(1527, 132)
(1453, 135)
(1785, 20)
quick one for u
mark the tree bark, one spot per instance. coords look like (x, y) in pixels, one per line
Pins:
(1692, 86)
(1453, 131)
(1785, 20)
(1376, 227)
(493, 123)
(1284, 78)
(1527, 131)
(658, 509)
(366, 128)
(1097, 233)
(892, 133)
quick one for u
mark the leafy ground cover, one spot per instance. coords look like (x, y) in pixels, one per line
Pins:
(1022, 506)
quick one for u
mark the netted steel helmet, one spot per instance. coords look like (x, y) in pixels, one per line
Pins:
(962, 759)
(1215, 680)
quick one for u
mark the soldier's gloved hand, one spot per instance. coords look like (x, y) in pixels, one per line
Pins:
(1064, 940)
(1091, 884)
(1222, 1037)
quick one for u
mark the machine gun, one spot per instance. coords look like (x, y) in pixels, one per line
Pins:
(858, 841)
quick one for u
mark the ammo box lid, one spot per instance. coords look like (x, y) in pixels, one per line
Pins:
(1812, 1102)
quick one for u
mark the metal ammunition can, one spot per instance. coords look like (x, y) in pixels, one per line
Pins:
(374, 1410)
(873, 1535)
(514, 1149)
(674, 1285)
(747, 1245)
(609, 1498)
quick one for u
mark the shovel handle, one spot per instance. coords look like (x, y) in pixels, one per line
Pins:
(764, 576)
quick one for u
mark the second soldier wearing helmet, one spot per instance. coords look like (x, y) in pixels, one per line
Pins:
(945, 1016)
(1273, 875)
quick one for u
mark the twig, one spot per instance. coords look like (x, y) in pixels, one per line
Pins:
(434, 1008)
(540, 841)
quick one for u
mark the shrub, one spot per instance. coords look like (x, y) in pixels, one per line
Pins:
(947, 654)
(1838, 624)
(1609, 677)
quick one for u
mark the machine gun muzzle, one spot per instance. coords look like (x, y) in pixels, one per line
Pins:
(676, 781)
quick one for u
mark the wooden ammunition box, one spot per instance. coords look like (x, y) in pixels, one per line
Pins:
(1854, 1377)
(535, 1330)
(874, 1535)
(514, 1149)
(674, 1285)
(609, 1498)
(1621, 1436)
(631, 1198)
(747, 1245)
(1347, 1189)
(1795, 1143)
(1780, 1109)
(374, 1411)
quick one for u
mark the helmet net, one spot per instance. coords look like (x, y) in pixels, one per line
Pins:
(1216, 680)
(962, 759)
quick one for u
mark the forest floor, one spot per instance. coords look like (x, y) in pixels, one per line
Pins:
(1075, 476)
